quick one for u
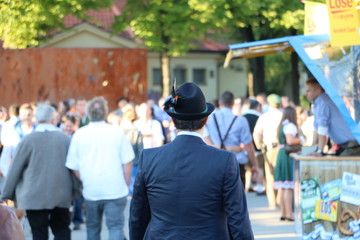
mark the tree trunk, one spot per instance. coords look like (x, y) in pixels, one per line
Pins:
(257, 65)
(257, 68)
(250, 84)
(165, 60)
(295, 78)
(165, 74)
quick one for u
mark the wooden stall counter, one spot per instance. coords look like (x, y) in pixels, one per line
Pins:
(327, 197)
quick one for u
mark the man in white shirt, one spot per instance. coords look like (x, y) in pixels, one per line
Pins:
(266, 137)
(101, 156)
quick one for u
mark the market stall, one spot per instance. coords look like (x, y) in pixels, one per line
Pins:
(327, 191)
(327, 197)
(337, 69)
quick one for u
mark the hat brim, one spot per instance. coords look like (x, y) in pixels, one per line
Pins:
(190, 116)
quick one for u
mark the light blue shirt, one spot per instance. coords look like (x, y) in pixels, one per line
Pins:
(329, 122)
(239, 132)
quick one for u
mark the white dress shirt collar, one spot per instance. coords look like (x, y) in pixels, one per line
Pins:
(97, 122)
(196, 134)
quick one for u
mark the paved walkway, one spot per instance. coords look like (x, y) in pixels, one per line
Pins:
(265, 223)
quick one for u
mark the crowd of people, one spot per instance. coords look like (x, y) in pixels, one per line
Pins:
(46, 147)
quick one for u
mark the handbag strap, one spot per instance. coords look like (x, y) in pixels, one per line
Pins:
(222, 140)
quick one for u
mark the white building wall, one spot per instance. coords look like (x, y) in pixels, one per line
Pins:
(234, 78)
(189, 62)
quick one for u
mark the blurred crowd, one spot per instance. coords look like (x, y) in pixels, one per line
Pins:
(253, 137)
(148, 118)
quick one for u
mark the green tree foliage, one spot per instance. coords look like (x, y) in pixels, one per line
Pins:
(279, 71)
(252, 20)
(319, 1)
(24, 23)
(168, 26)
(267, 18)
(164, 26)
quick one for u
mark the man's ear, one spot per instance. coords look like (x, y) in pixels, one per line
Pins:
(54, 119)
(206, 121)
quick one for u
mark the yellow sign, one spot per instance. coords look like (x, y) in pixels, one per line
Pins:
(326, 210)
(316, 18)
(344, 24)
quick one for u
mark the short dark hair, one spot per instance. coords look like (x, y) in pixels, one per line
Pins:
(227, 99)
(215, 102)
(251, 103)
(313, 82)
(191, 125)
(14, 109)
(69, 118)
(66, 103)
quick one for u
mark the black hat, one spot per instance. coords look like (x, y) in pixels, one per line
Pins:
(187, 103)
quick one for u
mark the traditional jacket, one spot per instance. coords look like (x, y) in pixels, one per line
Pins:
(188, 190)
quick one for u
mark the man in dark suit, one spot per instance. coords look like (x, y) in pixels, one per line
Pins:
(187, 189)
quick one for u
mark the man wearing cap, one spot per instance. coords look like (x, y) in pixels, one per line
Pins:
(266, 138)
(187, 189)
(329, 122)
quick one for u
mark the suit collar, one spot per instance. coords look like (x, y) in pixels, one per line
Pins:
(189, 139)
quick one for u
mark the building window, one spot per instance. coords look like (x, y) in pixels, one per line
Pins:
(156, 76)
(199, 76)
(180, 75)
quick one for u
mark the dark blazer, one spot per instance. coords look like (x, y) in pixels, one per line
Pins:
(252, 119)
(188, 190)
